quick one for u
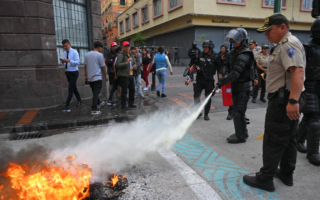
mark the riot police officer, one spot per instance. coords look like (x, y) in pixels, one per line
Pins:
(310, 127)
(240, 71)
(194, 54)
(206, 69)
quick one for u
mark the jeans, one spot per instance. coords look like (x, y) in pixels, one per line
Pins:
(162, 77)
(72, 80)
(96, 88)
(137, 83)
(114, 88)
(125, 83)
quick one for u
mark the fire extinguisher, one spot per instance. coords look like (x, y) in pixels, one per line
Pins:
(226, 94)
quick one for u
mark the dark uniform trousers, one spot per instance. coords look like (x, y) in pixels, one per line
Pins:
(262, 84)
(240, 98)
(208, 86)
(95, 88)
(279, 142)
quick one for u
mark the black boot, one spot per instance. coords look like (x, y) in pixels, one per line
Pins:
(199, 115)
(301, 147)
(263, 100)
(313, 137)
(233, 139)
(245, 135)
(286, 179)
(158, 93)
(206, 117)
(253, 181)
(314, 159)
(229, 117)
(254, 100)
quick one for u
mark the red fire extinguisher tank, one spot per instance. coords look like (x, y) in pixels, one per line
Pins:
(226, 94)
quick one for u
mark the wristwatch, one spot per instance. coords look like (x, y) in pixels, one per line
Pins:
(293, 101)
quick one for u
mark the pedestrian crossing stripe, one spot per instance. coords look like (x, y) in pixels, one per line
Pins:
(260, 137)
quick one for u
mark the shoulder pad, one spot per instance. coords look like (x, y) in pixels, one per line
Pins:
(285, 40)
(243, 57)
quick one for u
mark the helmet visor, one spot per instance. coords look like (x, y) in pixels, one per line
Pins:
(233, 36)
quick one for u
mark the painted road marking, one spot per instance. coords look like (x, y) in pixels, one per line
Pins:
(260, 137)
(198, 185)
(226, 175)
(179, 102)
(27, 117)
(2, 114)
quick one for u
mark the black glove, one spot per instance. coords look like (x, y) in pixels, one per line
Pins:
(219, 85)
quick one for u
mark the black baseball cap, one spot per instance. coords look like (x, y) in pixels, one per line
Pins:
(252, 42)
(276, 19)
(132, 48)
(265, 47)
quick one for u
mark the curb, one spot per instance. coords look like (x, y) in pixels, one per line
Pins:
(67, 124)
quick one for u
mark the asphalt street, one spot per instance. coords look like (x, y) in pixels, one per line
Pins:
(202, 165)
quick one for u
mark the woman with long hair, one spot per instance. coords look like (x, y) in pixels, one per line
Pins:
(162, 62)
(146, 60)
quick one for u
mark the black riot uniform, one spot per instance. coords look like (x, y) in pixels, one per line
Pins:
(194, 54)
(208, 65)
(240, 71)
(310, 127)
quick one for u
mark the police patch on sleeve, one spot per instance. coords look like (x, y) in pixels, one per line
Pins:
(290, 52)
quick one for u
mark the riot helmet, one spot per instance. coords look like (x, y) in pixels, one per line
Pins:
(315, 29)
(238, 35)
(208, 43)
(194, 44)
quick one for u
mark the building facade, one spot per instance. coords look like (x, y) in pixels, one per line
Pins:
(31, 33)
(111, 9)
(179, 22)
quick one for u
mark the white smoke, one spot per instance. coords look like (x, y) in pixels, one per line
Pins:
(127, 143)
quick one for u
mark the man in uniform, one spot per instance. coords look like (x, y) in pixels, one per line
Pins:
(240, 72)
(310, 127)
(262, 64)
(194, 54)
(206, 69)
(284, 85)
(252, 47)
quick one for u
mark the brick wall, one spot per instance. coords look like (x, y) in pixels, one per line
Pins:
(29, 71)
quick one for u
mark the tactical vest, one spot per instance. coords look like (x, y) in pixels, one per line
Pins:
(248, 73)
(207, 66)
(313, 65)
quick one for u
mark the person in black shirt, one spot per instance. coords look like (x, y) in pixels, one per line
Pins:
(146, 60)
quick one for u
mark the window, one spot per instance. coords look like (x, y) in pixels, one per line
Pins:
(157, 8)
(270, 4)
(122, 2)
(121, 27)
(145, 14)
(173, 4)
(127, 23)
(71, 23)
(306, 5)
(234, 2)
(135, 19)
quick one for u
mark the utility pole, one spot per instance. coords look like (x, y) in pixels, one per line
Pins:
(277, 7)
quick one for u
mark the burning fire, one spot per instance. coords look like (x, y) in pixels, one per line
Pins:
(49, 183)
(115, 179)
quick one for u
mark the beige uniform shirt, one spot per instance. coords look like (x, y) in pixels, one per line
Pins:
(288, 53)
(255, 53)
(263, 60)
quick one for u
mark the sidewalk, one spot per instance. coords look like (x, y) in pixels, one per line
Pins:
(57, 118)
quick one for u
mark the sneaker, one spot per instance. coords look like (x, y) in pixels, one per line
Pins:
(111, 103)
(95, 112)
(142, 96)
(133, 106)
(102, 103)
(146, 88)
(149, 86)
(79, 103)
(218, 91)
(163, 95)
(158, 93)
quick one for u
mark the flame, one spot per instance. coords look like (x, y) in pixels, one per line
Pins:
(48, 183)
(115, 179)
(70, 157)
